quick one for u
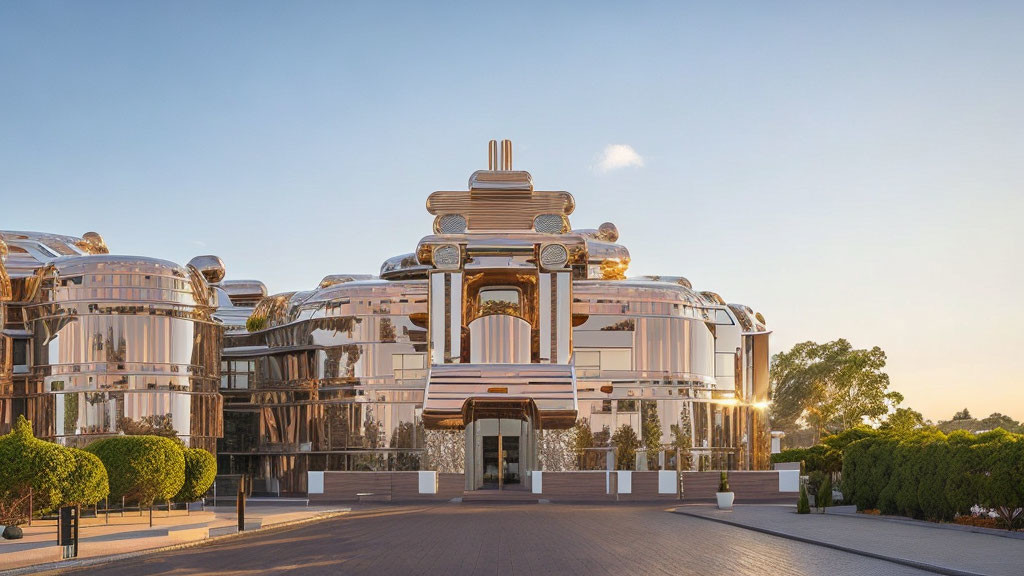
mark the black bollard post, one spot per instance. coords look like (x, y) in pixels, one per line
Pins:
(240, 505)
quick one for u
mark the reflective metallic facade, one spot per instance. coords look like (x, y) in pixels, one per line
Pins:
(477, 352)
(105, 344)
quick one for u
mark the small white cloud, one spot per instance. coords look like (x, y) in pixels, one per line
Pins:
(199, 243)
(617, 156)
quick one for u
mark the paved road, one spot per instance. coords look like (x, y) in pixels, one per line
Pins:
(913, 541)
(527, 539)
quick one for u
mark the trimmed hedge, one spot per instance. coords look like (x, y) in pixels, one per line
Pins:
(826, 457)
(200, 472)
(929, 475)
(142, 469)
(58, 476)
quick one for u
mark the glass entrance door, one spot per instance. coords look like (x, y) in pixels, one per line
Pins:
(499, 453)
(510, 464)
(500, 461)
(492, 462)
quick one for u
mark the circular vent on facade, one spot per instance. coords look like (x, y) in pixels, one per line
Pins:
(554, 256)
(451, 224)
(550, 224)
(447, 257)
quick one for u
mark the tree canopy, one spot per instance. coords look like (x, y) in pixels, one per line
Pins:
(142, 469)
(962, 420)
(831, 387)
(903, 420)
(58, 476)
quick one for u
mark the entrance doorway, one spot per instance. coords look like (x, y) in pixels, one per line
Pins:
(500, 454)
(501, 461)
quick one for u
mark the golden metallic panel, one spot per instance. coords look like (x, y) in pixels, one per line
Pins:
(550, 387)
(500, 210)
(499, 339)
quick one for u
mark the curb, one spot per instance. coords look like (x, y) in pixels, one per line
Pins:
(65, 565)
(935, 525)
(902, 561)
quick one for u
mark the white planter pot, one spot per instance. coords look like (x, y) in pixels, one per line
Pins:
(725, 500)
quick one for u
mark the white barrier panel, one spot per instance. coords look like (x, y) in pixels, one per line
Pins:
(789, 480)
(666, 482)
(625, 481)
(428, 482)
(315, 482)
(537, 479)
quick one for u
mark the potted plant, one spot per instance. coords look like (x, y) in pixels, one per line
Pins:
(724, 495)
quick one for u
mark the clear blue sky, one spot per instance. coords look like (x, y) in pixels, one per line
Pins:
(851, 170)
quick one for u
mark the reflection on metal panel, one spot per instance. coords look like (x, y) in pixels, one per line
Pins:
(126, 345)
(437, 317)
(544, 318)
(551, 388)
(499, 339)
(455, 310)
(563, 303)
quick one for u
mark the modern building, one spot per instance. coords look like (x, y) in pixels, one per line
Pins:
(96, 344)
(507, 342)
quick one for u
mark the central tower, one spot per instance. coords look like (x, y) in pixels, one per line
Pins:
(501, 263)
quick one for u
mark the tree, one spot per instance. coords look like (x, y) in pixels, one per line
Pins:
(803, 505)
(829, 386)
(407, 435)
(143, 469)
(87, 482)
(200, 472)
(824, 498)
(626, 442)
(582, 439)
(903, 420)
(681, 438)
(962, 420)
(651, 432)
(57, 476)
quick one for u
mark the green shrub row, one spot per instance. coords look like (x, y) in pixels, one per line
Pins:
(142, 469)
(929, 475)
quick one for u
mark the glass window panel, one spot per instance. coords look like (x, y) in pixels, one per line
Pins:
(20, 356)
(617, 359)
(588, 359)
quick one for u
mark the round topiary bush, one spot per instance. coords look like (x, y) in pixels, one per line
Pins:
(200, 471)
(57, 476)
(142, 469)
(29, 463)
(87, 483)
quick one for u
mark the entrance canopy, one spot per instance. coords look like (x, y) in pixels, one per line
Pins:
(460, 393)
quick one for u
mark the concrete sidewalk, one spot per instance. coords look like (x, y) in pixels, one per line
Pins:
(919, 545)
(132, 532)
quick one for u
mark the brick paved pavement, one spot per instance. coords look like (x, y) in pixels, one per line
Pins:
(132, 533)
(958, 550)
(528, 539)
